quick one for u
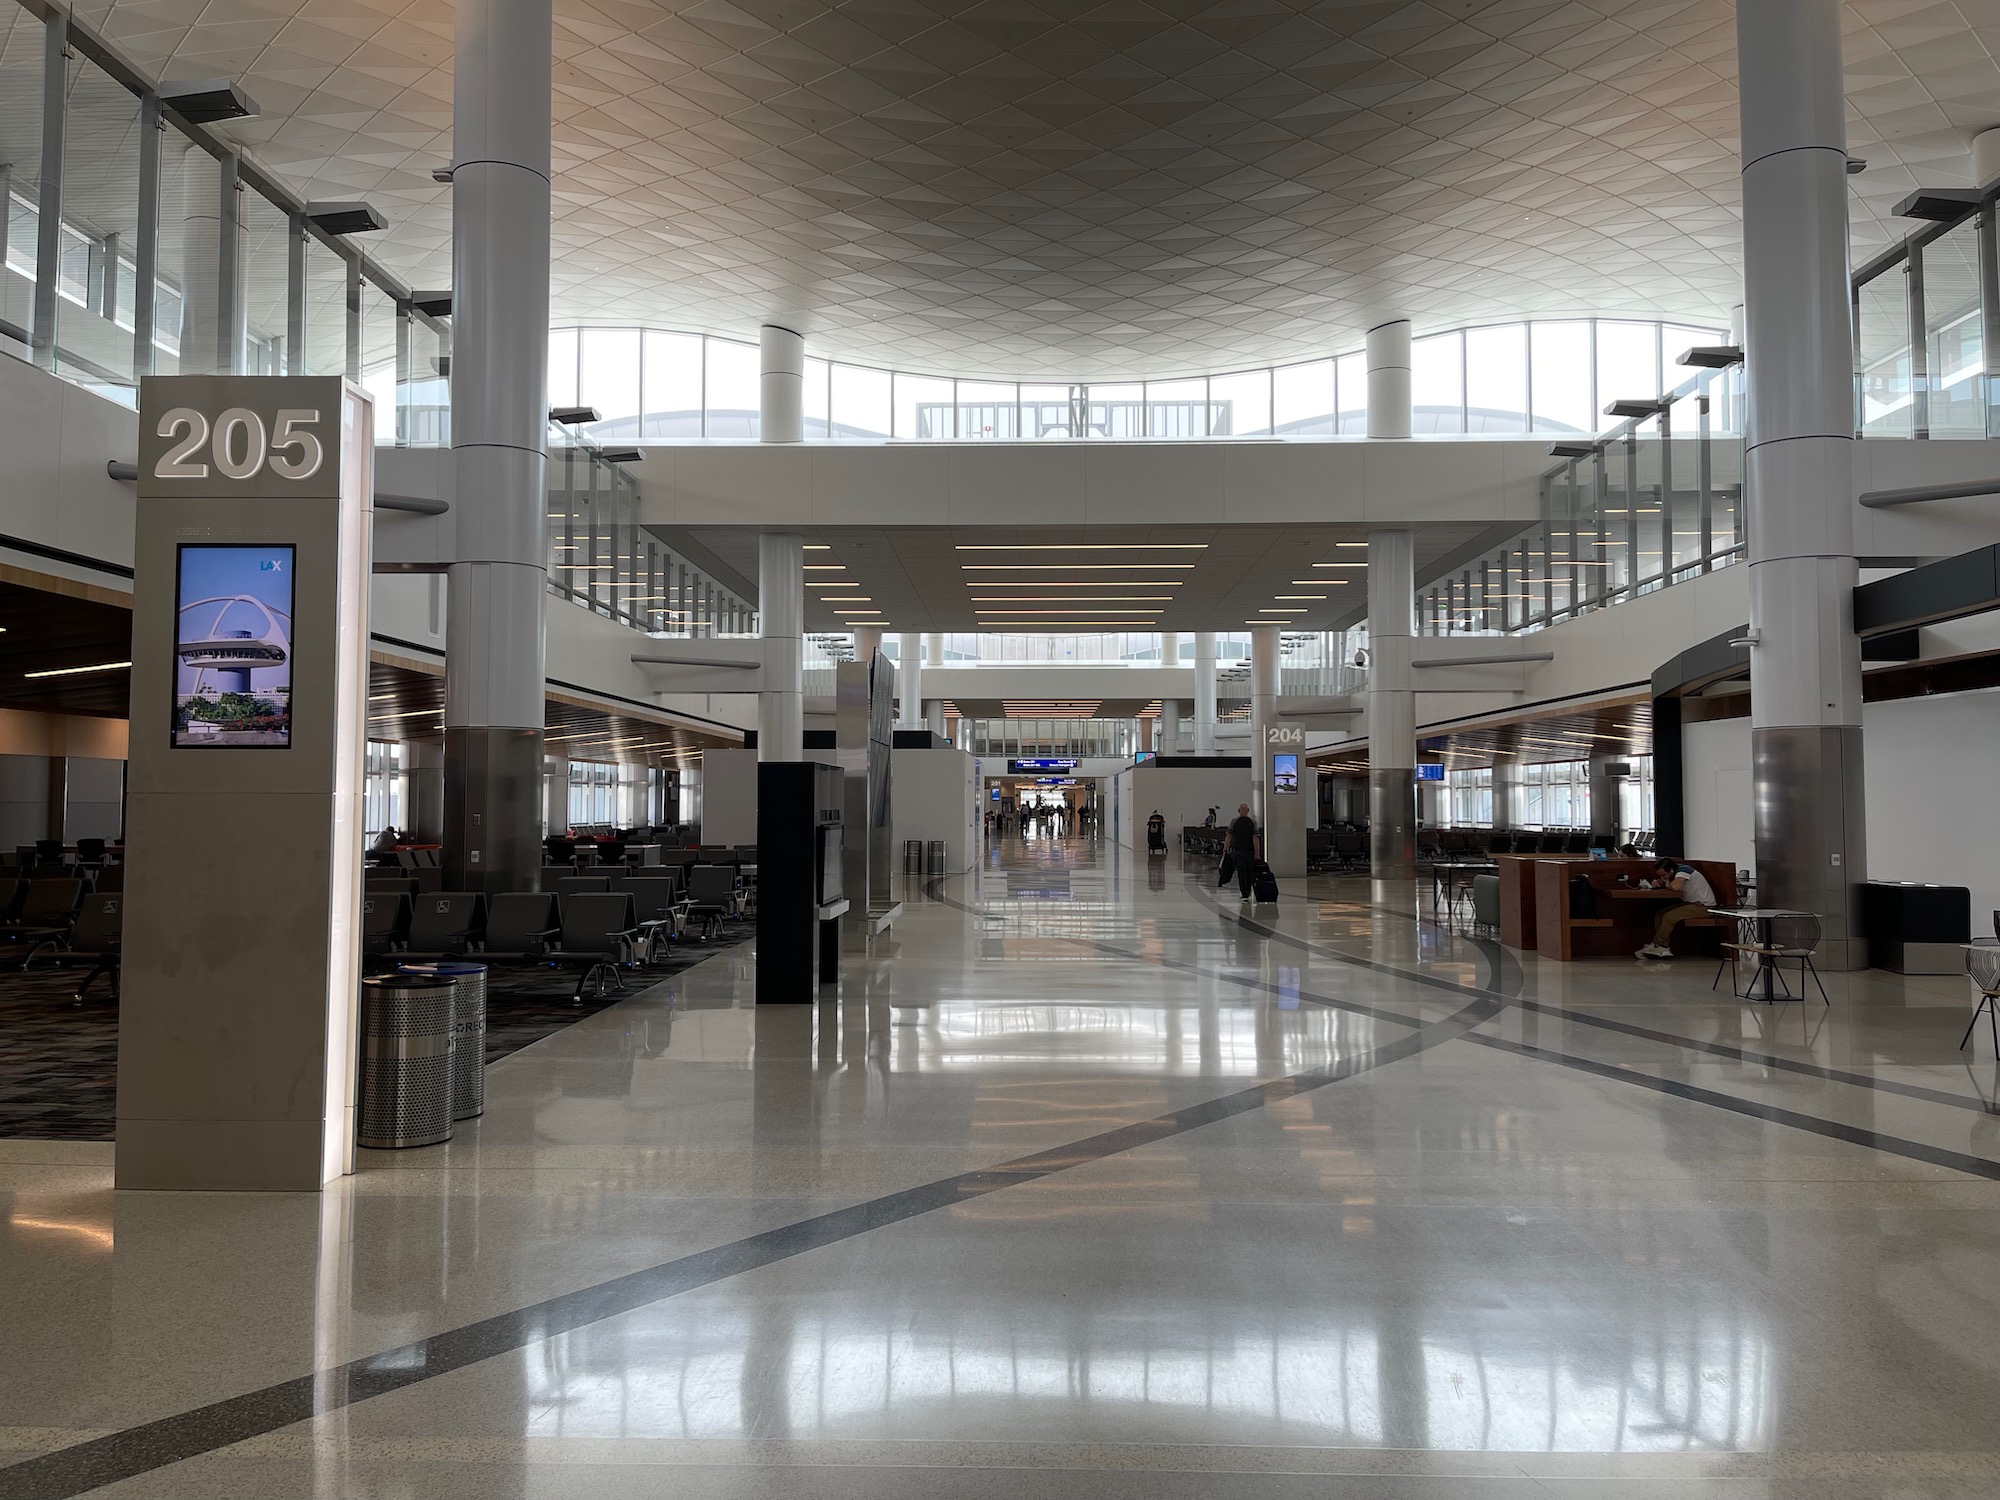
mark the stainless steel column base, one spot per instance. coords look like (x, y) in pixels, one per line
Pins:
(1392, 822)
(492, 808)
(1811, 833)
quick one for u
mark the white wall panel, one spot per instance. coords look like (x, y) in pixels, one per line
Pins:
(1715, 783)
(1929, 781)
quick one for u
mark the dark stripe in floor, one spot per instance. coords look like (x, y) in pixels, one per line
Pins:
(154, 1445)
(1977, 1166)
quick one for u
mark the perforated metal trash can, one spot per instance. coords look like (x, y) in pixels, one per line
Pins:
(406, 1057)
(468, 1033)
(913, 856)
(934, 857)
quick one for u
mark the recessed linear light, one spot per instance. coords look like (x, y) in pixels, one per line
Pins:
(1083, 546)
(1005, 614)
(1298, 596)
(1062, 567)
(980, 586)
(1322, 582)
(1350, 544)
(103, 666)
(826, 567)
(1299, 611)
(817, 547)
(1340, 565)
(1072, 598)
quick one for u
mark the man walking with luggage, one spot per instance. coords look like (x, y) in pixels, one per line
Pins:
(1246, 848)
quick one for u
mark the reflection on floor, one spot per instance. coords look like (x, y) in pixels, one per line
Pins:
(1093, 1182)
(59, 1059)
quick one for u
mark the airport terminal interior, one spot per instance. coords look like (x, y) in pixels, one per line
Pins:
(1191, 749)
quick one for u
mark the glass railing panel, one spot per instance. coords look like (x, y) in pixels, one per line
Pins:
(1955, 360)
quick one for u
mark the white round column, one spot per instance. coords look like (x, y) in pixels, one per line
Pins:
(1204, 692)
(781, 362)
(1392, 706)
(498, 585)
(1805, 670)
(909, 680)
(1388, 359)
(781, 611)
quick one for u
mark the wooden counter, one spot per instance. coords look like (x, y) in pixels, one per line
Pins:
(1625, 917)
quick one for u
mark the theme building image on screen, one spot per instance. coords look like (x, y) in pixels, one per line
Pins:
(233, 648)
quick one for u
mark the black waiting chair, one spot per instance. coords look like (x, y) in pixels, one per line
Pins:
(385, 922)
(711, 895)
(657, 904)
(445, 924)
(520, 926)
(551, 874)
(51, 852)
(90, 851)
(99, 930)
(47, 913)
(599, 931)
(582, 885)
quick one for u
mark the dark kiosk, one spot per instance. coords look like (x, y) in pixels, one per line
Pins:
(799, 896)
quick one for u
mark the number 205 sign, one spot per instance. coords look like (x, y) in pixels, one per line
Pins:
(260, 437)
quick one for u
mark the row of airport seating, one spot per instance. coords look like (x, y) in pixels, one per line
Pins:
(586, 922)
(1478, 843)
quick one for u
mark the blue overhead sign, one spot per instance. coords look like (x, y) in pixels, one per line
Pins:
(1043, 763)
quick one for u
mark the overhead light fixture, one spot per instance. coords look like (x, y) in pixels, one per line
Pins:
(826, 567)
(1073, 598)
(1061, 567)
(1651, 407)
(345, 218)
(208, 102)
(1340, 565)
(1298, 596)
(1082, 546)
(1939, 205)
(1073, 583)
(622, 455)
(1283, 611)
(1711, 357)
(103, 666)
(1323, 582)
(573, 416)
(1571, 450)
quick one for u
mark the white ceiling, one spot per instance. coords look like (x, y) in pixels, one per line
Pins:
(1057, 579)
(1021, 189)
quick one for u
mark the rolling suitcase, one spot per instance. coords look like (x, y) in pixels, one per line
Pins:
(1264, 885)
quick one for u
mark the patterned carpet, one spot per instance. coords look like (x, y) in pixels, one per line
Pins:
(59, 1062)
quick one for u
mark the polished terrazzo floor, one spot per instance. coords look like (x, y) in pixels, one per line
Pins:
(1100, 1184)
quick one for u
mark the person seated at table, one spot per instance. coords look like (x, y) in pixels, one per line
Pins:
(1696, 894)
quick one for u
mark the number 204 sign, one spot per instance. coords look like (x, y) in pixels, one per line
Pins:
(252, 437)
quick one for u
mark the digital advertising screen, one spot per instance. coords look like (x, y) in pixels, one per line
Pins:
(233, 647)
(1285, 774)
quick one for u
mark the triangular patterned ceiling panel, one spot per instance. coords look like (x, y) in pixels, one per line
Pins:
(1139, 187)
